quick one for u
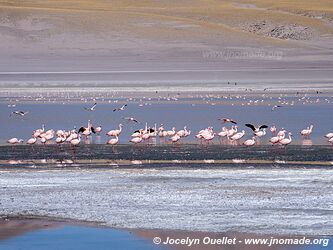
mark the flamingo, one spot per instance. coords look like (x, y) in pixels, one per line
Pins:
(113, 141)
(181, 132)
(60, 139)
(92, 108)
(307, 132)
(20, 113)
(282, 133)
(187, 133)
(286, 141)
(175, 138)
(273, 129)
(137, 133)
(122, 108)
(60, 133)
(37, 132)
(223, 132)
(32, 141)
(14, 141)
(260, 133)
(76, 141)
(208, 137)
(232, 131)
(254, 128)
(329, 135)
(131, 119)
(161, 131)
(136, 140)
(171, 132)
(115, 132)
(250, 142)
(237, 136)
(152, 131)
(225, 120)
(88, 130)
(98, 129)
(145, 136)
(276, 139)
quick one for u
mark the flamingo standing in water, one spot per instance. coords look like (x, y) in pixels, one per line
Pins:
(136, 140)
(260, 133)
(286, 141)
(98, 129)
(329, 135)
(276, 139)
(175, 138)
(307, 132)
(236, 137)
(14, 141)
(113, 141)
(88, 130)
(115, 132)
(181, 132)
(171, 132)
(223, 132)
(250, 142)
(32, 141)
(76, 141)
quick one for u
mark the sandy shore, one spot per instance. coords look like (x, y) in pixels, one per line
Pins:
(166, 42)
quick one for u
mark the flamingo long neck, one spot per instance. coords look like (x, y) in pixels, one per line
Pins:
(120, 127)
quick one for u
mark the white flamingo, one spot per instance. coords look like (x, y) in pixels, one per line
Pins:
(260, 133)
(98, 129)
(32, 140)
(238, 136)
(276, 139)
(137, 133)
(171, 132)
(223, 132)
(113, 141)
(286, 141)
(307, 132)
(329, 135)
(175, 138)
(232, 131)
(76, 141)
(115, 132)
(250, 142)
(136, 140)
(14, 141)
(181, 132)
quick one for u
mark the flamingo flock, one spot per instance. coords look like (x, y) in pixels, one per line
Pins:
(228, 135)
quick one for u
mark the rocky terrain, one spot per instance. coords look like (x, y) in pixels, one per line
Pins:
(280, 31)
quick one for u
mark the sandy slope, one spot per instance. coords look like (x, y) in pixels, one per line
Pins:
(143, 35)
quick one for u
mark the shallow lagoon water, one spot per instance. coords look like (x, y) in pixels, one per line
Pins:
(77, 237)
(196, 117)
